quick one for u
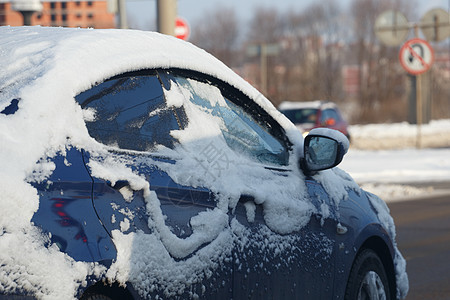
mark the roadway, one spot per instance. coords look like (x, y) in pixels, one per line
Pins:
(423, 237)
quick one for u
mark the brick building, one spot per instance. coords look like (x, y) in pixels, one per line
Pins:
(62, 13)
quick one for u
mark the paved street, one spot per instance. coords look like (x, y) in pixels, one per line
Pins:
(423, 236)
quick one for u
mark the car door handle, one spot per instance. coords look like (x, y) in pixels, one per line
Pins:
(118, 184)
(245, 198)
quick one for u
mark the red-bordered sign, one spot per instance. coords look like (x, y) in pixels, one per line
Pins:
(182, 30)
(416, 56)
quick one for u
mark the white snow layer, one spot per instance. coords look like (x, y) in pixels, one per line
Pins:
(46, 68)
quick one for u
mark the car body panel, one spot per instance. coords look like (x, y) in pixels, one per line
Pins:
(67, 213)
(251, 266)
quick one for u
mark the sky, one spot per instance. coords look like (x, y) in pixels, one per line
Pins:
(143, 12)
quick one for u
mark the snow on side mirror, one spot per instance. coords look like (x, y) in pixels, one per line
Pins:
(324, 149)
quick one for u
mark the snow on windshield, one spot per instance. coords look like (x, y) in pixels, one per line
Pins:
(44, 68)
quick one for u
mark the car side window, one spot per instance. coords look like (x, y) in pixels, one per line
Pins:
(239, 128)
(130, 113)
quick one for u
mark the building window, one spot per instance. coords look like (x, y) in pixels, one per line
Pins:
(53, 17)
(63, 5)
(64, 17)
(52, 5)
(90, 15)
(89, 3)
(78, 3)
(78, 15)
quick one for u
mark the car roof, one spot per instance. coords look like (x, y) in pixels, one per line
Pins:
(288, 105)
(35, 58)
(31, 52)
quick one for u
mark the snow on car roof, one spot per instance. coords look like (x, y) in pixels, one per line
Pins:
(86, 55)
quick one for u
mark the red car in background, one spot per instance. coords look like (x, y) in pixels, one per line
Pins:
(309, 115)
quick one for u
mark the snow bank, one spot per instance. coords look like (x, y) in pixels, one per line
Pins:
(400, 135)
(398, 166)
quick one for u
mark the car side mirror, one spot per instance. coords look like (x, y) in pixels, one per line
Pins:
(324, 148)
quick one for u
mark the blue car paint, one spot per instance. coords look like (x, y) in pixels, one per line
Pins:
(181, 203)
(81, 230)
(358, 216)
(66, 211)
(11, 108)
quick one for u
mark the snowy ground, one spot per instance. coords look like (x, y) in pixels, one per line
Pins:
(385, 159)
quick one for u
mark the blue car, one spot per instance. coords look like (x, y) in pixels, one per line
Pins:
(137, 166)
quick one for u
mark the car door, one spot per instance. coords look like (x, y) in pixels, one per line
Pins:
(191, 139)
(265, 266)
(67, 214)
(131, 118)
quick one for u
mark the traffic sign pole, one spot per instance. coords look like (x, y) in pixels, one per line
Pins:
(416, 57)
(166, 14)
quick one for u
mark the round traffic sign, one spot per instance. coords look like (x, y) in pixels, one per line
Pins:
(392, 28)
(181, 29)
(435, 25)
(416, 56)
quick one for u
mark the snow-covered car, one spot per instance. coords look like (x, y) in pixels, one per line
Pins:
(313, 114)
(136, 165)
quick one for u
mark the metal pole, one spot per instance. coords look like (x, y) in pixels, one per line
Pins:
(419, 110)
(418, 101)
(166, 15)
(122, 10)
(263, 58)
(27, 17)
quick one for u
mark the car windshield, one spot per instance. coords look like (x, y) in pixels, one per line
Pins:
(301, 115)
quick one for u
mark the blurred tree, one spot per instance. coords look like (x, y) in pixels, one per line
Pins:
(318, 35)
(265, 26)
(314, 44)
(440, 87)
(264, 30)
(218, 33)
(382, 82)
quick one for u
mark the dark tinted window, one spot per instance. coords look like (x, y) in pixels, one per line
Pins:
(300, 116)
(329, 114)
(130, 113)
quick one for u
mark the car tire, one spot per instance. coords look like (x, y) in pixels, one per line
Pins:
(368, 279)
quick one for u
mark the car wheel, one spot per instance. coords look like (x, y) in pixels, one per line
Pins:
(368, 279)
